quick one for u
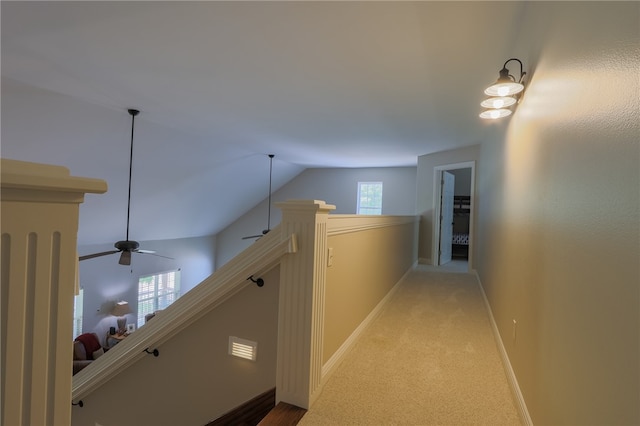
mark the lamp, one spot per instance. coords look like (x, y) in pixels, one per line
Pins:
(504, 93)
(506, 84)
(120, 309)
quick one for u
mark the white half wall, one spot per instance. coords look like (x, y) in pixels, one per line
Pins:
(335, 186)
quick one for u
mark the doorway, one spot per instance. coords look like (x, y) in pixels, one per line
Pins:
(453, 221)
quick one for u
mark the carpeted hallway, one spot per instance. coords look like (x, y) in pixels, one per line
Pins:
(428, 359)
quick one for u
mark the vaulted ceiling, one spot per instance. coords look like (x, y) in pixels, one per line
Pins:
(222, 84)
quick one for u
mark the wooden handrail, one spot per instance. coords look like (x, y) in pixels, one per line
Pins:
(232, 277)
(346, 223)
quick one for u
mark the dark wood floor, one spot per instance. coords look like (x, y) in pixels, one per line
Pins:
(283, 415)
(263, 411)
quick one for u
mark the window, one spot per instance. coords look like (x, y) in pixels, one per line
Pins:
(369, 198)
(156, 292)
(77, 313)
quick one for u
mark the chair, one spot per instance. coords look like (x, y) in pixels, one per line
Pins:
(86, 349)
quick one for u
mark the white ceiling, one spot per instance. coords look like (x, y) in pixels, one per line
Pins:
(222, 84)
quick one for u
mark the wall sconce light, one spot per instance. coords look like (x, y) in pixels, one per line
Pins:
(504, 93)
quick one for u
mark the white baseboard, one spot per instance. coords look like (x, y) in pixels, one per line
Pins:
(521, 405)
(330, 366)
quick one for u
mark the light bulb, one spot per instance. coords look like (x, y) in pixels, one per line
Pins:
(499, 102)
(493, 114)
(504, 89)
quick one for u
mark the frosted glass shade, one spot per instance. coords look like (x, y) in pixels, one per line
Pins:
(501, 89)
(499, 102)
(492, 114)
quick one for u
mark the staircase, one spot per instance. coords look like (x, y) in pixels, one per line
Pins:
(286, 316)
(262, 411)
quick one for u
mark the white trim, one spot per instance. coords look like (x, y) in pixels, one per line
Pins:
(330, 366)
(301, 303)
(521, 405)
(39, 276)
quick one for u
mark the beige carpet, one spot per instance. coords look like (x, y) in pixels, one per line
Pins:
(430, 358)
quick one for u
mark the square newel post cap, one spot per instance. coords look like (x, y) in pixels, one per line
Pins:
(318, 206)
(35, 177)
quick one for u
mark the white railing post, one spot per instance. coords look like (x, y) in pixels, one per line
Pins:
(301, 309)
(38, 259)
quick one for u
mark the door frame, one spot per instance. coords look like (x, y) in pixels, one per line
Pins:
(446, 213)
(437, 192)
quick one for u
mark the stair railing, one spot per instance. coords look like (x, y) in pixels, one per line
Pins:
(232, 277)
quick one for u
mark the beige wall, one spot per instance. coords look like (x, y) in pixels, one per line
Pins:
(558, 204)
(194, 380)
(366, 265)
(426, 207)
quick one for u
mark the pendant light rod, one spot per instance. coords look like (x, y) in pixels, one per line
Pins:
(133, 113)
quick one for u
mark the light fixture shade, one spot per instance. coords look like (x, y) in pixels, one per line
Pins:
(504, 88)
(121, 309)
(498, 102)
(492, 114)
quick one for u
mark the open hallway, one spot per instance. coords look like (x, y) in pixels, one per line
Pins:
(429, 358)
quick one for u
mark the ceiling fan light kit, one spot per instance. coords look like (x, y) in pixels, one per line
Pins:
(504, 93)
(126, 246)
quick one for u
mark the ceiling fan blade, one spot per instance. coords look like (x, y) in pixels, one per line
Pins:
(91, 256)
(125, 258)
(153, 253)
(251, 236)
(264, 232)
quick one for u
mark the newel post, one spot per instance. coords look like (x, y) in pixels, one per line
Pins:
(38, 261)
(301, 308)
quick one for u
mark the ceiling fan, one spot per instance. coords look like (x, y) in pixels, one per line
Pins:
(127, 246)
(266, 231)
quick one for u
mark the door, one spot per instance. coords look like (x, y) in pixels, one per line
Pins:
(447, 182)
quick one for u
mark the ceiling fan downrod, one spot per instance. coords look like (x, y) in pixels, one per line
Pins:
(126, 247)
(269, 209)
(133, 113)
(266, 231)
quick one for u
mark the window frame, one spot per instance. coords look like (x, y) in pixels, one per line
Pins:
(157, 292)
(78, 317)
(375, 209)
